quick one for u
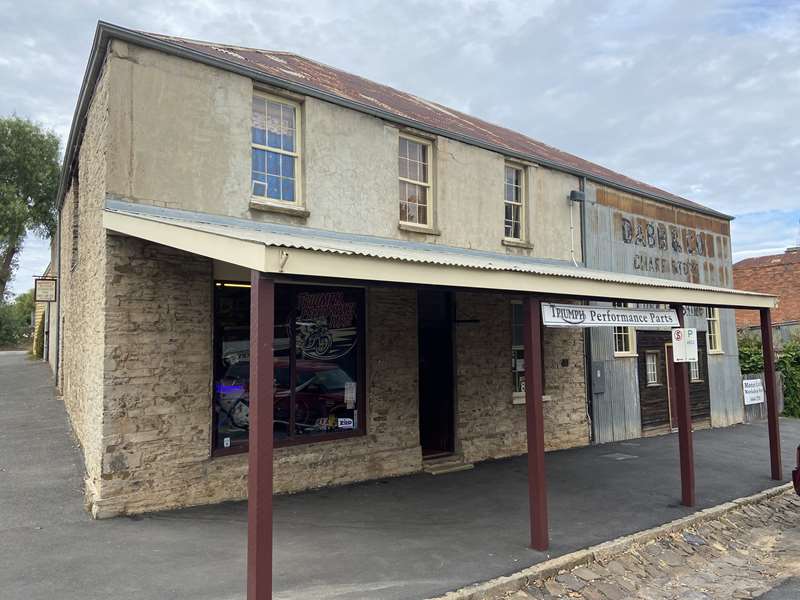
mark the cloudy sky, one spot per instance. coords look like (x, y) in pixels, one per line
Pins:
(699, 98)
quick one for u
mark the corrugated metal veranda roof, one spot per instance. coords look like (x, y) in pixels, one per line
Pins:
(298, 250)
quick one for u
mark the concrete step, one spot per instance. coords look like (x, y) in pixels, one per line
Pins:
(446, 464)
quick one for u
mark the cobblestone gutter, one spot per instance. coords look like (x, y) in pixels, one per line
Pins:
(736, 550)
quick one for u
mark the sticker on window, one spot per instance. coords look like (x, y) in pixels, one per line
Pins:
(345, 423)
(350, 395)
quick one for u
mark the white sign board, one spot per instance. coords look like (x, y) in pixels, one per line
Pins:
(573, 315)
(44, 290)
(684, 344)
(753, 391)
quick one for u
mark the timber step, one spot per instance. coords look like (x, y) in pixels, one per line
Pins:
(446, 464)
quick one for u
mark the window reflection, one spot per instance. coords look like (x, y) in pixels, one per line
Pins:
(317, 362)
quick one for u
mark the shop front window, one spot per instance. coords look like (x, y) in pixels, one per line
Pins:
(317, 362)
(517, 348)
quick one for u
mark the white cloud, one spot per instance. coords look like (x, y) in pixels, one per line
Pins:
(702, 100)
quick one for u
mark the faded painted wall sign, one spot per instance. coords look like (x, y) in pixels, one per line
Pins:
(667, 249)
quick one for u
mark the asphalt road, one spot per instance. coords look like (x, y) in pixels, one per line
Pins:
(408, 537)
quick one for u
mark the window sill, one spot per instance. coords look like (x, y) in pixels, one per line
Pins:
(511, 242)
(626, 355)
(289, 442)
(654, 385)
(295, 210)
(413, 227)
(716, 352)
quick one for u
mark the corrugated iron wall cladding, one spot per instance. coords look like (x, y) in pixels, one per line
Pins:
(617, 413)
(724, 376)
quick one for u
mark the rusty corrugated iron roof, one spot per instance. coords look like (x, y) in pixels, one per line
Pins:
(360, 91)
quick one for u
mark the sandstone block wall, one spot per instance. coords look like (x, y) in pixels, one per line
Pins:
(158, 381)
(82, 288)
(488, 424)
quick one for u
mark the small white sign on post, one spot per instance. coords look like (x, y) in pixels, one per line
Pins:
(753, 391)
(684, 344)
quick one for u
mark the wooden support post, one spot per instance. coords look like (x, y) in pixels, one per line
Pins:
(537, 485)
(259, 485)
(772, 403)
(681, 377)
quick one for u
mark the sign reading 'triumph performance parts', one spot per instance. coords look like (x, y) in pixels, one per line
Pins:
(573, 315)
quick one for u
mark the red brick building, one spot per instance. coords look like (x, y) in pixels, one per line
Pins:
(777, 274)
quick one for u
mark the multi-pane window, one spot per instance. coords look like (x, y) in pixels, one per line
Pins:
(275, 152)
(714, 341)
(624, 340)
(651, 359)
(694, 369)
(517, 347)
(513, 203)
(415, 181)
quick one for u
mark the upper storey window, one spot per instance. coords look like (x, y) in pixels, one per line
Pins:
(415, 181)
(513, 203)
(275, 149)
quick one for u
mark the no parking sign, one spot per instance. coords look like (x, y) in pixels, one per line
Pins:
(684, 344)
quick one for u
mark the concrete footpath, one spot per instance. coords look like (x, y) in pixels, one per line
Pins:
(410, 537)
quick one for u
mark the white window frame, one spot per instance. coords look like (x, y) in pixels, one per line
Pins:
(299, 201)
(628, 333)
(522, 203)
(429, 224)
(694, 370)
(656, 356)
(713, 331)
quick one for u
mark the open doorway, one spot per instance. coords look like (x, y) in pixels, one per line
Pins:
(436, 379)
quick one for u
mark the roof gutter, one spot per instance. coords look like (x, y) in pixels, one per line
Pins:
(106, 32)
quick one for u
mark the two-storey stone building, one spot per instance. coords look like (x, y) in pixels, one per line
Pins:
(191, 164)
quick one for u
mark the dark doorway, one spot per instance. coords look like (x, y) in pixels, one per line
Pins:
(436, 416)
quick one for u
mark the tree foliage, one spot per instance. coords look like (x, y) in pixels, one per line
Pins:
(787, 363)
(15, 321)
(29, 170)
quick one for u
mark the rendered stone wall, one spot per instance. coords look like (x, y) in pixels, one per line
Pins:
(489, 425)
(157, 428)
(82, 290)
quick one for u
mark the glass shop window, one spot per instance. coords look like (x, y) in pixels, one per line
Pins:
(317, 361)
(517, 347)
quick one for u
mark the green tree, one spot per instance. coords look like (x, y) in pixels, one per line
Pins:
(787, 362)
(15, 320)
(29, 170)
